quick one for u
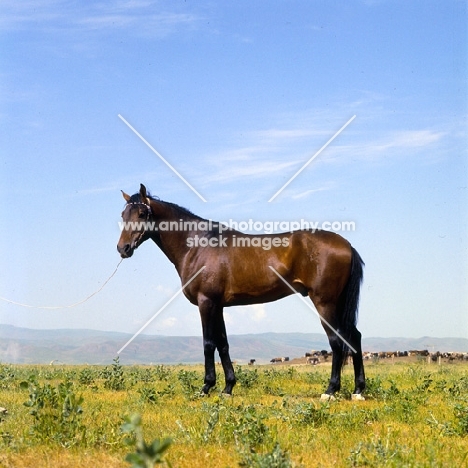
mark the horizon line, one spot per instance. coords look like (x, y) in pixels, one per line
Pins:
(231, 334)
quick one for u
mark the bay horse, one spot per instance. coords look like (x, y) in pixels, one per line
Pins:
(221, 273)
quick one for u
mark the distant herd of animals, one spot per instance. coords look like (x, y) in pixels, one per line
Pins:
(316, 357)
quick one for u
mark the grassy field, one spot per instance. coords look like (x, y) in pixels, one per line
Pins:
(415, 415)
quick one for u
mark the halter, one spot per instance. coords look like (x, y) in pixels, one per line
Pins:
(144, 204)
(148, 214)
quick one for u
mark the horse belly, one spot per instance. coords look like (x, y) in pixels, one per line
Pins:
(253, 282)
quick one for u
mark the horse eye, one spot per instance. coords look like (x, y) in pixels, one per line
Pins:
(142, 214)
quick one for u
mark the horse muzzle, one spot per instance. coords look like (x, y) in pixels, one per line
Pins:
(125, 251)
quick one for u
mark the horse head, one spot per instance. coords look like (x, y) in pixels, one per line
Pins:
(135, 216)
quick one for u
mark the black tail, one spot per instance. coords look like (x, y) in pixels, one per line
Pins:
(350, 298)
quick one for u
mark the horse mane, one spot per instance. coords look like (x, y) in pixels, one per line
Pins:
(179, 211)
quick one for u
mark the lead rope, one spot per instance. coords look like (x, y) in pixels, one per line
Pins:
(66, 306)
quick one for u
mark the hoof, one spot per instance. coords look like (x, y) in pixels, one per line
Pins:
(3, 410)
(226, 395)
(327, 397)
(357, 397)
(206, 389)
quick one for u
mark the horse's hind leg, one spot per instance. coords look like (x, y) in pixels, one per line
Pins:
(336, 345)
(339, 344)
(328, 318)
(359, 376)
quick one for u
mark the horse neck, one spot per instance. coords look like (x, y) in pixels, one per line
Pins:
(173, 242)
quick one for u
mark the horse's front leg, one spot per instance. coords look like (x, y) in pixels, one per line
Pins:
(214, 336)
(207, 314)
(223, 350)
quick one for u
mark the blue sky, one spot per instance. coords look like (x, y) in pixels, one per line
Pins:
(237, 96)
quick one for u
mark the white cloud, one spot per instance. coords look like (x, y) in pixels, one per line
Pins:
(237, 317)
(310, 192)
(18, 15)
(142, 17)
(165, 290)
(257, 312)
(408, 139)
(407, 143)
(169, 322)
(268, 155)
(289, 134)
(156, 25)
(273, 155)
(249, 169)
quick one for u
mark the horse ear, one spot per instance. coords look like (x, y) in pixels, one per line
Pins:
(127, 197)
(143, 195)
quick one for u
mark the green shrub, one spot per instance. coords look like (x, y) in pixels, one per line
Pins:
(190, 383)
(277, 458)
(56, 412)
(148, 395)
(246, 378)
(86, 377)
(114, 377)
(461, 415)
(145, 455)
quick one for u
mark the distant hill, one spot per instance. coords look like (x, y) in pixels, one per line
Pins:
(28, 346)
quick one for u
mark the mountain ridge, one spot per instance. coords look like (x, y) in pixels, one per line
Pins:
(85, 346)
